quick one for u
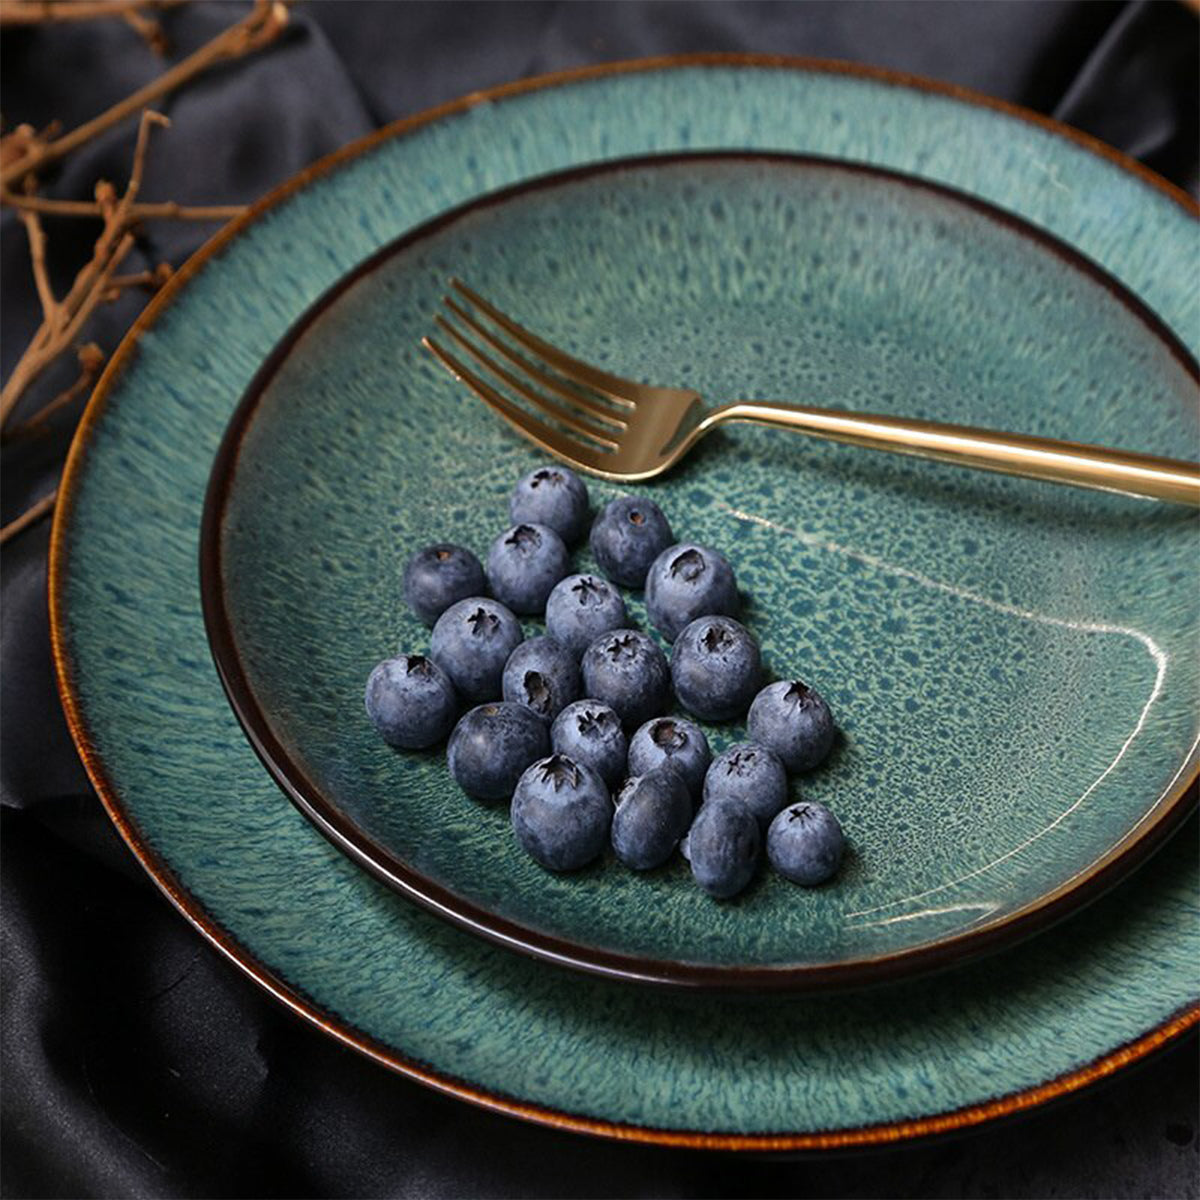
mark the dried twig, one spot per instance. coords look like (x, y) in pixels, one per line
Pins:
(37, 254)
(25, 150)
(63, 319)
(148, 29)
(166, 210)
(256, 30)
(52, 12)
(150, 280)
(91, 363)
(34, 513)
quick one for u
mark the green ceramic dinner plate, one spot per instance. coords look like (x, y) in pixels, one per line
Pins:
(1011, 664)
(1007, 744)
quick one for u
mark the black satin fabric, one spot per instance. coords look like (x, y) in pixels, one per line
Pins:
(137, 1061)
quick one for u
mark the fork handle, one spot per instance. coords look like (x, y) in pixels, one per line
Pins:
(1009, 453)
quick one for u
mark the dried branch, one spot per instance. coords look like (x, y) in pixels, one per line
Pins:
(150, 280)
(167, 210)
(37, 254)
(258, 29)
(91, 363)
(32, 514)
(22, 141)
(148, 29)
(25, 150)
(63, 321)
(53, 12)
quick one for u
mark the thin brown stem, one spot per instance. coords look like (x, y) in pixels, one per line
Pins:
(92, 284)
(145, 279)
(153, 211)
(30, 365)
(97, 291)
(37, 255)
(260, 27)
(54, 12)
(91, 363)
(148, 29)
(116, 220)
(34, 513)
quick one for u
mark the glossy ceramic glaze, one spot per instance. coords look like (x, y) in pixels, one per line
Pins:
(498, 1028)
(1008, 716)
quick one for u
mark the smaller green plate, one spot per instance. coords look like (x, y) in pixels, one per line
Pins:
(1009, 662)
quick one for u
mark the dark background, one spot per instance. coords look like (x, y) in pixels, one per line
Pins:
(136, 1061)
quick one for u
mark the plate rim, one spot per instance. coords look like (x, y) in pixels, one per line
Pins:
(1151, 829)
(1169, 1030)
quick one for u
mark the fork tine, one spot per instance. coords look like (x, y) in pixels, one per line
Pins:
(612, 386)
(544, 403)
(600, 411)
(528, 426)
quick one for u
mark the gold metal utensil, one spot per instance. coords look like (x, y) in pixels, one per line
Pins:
(619, 429)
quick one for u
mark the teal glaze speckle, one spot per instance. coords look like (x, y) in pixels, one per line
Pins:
(1009, 711)
(431, 995)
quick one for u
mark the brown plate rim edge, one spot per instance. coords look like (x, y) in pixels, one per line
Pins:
(1170, 1029)
(1086, 885)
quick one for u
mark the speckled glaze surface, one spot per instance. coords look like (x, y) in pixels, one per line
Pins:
(1009, 711)
(502, 1030)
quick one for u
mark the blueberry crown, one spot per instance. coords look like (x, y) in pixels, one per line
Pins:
(741, 762)
(559, 771)
(622, 646)
(593, 722)
(669, 735)
(716, 638)
(483, 623)
(524, 537)
(547, 475)
(538, 694)
(590, 590)
(690, 564)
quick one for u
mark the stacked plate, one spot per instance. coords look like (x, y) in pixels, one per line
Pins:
(1012, 664)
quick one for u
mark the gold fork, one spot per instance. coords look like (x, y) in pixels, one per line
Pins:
(619, 429)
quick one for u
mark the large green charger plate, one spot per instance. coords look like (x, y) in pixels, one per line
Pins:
(186, 790)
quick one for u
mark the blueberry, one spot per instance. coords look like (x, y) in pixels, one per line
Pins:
(411, 701)
(471, 642)
(723, 846)
(543, 675)
(671, 742)
(492, 745)
(524, 564)
(627, 536)
(653, 813)
(794, 721)
(716, 668)
(590, 733)
(552, 496)
(805, 843)
(439, 576)
(581, 608)
(626, 670)
(561, 813)
(685, 582)
(749, 775)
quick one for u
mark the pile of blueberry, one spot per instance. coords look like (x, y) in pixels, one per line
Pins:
(557, 745)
